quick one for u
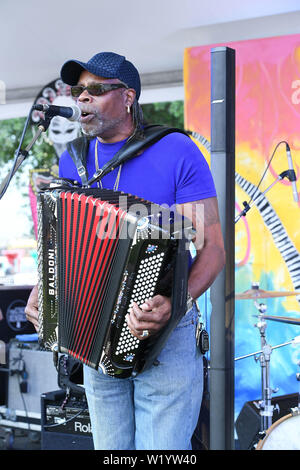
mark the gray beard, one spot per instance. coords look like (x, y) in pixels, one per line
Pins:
(103, 129)
(90, 133)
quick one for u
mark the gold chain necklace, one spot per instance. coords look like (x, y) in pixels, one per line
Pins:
(99, 183)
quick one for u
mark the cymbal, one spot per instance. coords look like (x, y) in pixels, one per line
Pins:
(293, 321)
(263, 294)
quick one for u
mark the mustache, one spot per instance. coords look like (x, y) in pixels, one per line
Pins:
(86, 109)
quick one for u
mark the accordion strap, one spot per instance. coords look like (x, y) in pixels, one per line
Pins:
(78, 149)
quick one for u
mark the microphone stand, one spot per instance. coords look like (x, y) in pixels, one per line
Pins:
(290, 174)
(21, 155)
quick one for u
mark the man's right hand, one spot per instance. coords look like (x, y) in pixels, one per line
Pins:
(31, 309)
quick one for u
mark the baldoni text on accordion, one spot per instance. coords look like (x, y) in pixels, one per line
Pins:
(99, 251)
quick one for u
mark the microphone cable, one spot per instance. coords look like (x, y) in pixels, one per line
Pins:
(265, 171)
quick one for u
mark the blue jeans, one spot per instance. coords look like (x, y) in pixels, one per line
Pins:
(158, 409)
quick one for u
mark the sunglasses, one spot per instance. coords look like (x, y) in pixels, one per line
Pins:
(96, 89)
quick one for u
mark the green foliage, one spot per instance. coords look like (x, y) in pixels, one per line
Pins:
(42, 153)
(167, 113)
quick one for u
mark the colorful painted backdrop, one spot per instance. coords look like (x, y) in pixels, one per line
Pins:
(268, 239)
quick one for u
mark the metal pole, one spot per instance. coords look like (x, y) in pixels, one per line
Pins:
(221, 383)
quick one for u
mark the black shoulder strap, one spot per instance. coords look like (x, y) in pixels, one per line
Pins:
(78, 149)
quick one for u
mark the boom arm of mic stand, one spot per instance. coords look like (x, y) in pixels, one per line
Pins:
(285, 174)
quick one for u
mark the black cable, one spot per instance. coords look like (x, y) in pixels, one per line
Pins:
(19, 359)
(264, 173)
(65, 422)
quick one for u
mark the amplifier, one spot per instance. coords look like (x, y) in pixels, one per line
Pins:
(65, 422)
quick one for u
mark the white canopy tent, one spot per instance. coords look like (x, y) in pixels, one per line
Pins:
(36, 39)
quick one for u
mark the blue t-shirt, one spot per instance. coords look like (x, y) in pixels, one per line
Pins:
(171, 171)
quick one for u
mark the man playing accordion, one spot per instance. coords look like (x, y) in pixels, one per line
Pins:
(159, 408)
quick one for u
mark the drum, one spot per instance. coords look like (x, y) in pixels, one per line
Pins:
(284, 434)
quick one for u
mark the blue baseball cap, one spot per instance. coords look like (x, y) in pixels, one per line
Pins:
(103, 64)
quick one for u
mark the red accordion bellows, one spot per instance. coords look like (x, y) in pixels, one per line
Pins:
(88, 241)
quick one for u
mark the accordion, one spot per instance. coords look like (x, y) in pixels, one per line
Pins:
(99, 251)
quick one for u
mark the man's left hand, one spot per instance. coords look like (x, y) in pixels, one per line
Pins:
(149, 317)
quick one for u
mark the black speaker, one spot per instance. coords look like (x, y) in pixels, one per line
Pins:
(223, 100)
(65, 441)
(13, 300)
(222, 290)
(248, 422)
(65, 422)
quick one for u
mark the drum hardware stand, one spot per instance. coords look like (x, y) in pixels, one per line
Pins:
(266, 407)
(293, 341)
(264, 356)
(289, 174)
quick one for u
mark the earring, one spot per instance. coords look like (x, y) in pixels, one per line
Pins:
(128, 109)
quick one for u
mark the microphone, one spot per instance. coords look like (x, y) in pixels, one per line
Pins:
(292, 174)
(72, 113)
